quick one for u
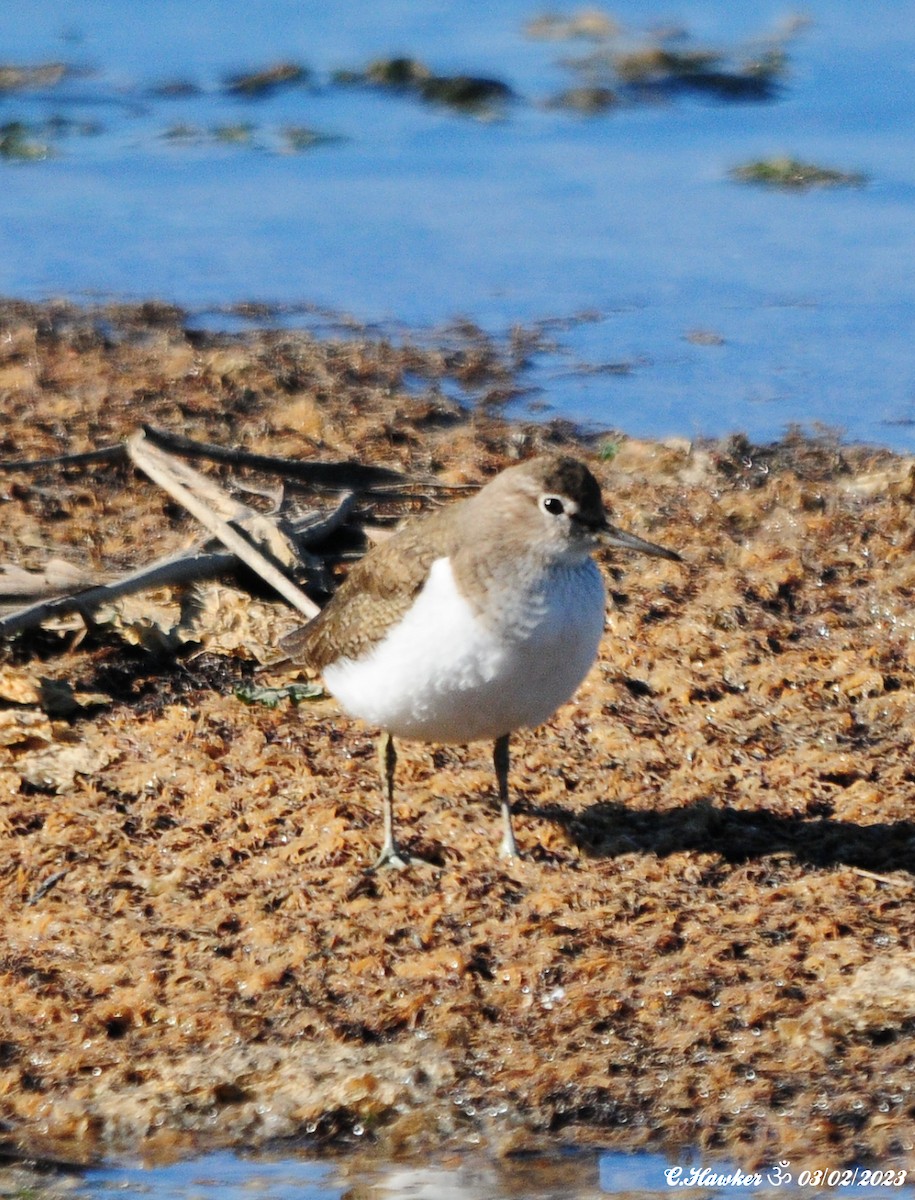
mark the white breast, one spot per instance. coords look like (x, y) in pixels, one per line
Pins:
(441, 675)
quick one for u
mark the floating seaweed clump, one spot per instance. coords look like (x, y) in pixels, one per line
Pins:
(175, 89)
(290, 139)
(399, 72)
(264, 82)
(642, 68)
(587, 99)
(592, 24)
(660, 70)
(26, 141)
(791, 174)
(21, 79)
(240, 133)
(665, 69)
(19, 141)
(466, 93)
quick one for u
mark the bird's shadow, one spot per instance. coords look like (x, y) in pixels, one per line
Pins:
(608, 829)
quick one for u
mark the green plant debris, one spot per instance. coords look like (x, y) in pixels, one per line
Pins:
(183, 132)
(791, 174)
(703, 337)
(665, 64)
(290, 139)
(608, 451)
(299, 138)
(19, 143)
(465, 91)
(397, 72)
(32, 141)
(175, 89)
(656, 63)
(263, 83)
(236, 134)
(662, 69)
(272, 697)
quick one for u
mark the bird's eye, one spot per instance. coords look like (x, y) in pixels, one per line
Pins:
(553, 505)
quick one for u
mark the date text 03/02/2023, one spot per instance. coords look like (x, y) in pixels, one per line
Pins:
(779, 1175)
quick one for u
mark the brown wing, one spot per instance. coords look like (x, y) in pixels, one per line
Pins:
(376, 593)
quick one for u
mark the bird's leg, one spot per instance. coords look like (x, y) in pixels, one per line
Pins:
(500, 758)
(390, 855)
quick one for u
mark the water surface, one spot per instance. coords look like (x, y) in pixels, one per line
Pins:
(413, 214)
(571, 1176)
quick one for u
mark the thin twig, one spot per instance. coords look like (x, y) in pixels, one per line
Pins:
(893, 879)
(45, 886)
(338, 476)
(103, 454)
(316, 526)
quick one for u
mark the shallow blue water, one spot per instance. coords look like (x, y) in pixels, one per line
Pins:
(223, 1175)
(418, 215)
(570, 1177)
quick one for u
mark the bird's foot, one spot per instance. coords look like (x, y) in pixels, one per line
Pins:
(393, 858)
(508, 848)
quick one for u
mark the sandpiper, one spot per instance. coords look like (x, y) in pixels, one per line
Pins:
(471, 622)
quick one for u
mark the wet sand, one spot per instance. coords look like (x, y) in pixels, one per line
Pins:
(709, 941)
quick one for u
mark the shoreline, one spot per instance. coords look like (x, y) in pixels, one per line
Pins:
(709, 942)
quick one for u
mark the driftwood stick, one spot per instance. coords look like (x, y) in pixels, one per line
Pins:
(57, 576)
(259, 529)
(182, 568)
(176, 475)
(175, 570)
(333, 476)
(161, 469)
(116, 453)
(338, 476)
(266, 544)
(315, 526)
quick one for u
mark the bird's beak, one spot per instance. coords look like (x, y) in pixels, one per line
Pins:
(611, 536)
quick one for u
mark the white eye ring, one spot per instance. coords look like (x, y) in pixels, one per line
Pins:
(553, 505)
